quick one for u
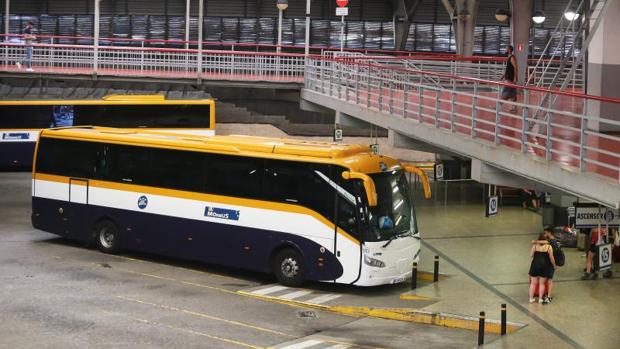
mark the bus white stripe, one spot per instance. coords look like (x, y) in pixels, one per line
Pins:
(324, 298)
(294, 295)
(268, 290)
(303, 345)
(250, 217)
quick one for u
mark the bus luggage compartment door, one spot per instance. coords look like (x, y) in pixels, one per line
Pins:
(75, 213)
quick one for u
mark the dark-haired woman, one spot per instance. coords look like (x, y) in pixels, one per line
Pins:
(541, 268)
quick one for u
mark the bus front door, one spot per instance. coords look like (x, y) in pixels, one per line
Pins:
(73, 217)
(346, 245)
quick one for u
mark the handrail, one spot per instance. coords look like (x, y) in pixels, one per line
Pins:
(483, 81)
(158, 49)
(395, 54)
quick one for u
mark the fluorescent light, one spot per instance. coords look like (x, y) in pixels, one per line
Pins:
(538, 17)
(571, 15)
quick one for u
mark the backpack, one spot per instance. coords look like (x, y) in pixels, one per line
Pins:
(558, 254)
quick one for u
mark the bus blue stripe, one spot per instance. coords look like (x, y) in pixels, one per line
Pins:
(209, 242)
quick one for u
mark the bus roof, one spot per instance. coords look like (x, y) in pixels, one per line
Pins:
(352, 156)
(116, 99)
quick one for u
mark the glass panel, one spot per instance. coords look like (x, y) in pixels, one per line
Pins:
(393, 215)
(234, 176)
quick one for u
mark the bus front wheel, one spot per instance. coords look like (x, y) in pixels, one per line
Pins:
(288, 266)
(107, 237)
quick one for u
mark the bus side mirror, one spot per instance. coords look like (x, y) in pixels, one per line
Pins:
(369, 185)
(423, 178)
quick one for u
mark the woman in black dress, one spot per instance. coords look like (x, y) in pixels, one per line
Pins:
(541, 268)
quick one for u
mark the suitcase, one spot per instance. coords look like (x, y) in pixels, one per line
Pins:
(581, 241)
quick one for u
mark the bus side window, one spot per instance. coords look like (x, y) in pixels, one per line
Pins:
(234, 176)
(177, 169)
(346, 217)
(129, 164)
(298, 183)
(67, 158)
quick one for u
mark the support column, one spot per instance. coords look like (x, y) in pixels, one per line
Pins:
(187, 20)
(7, 20)
(466, 25)
(603, 68)
(463, 14)
(520, 24)
(403, 11)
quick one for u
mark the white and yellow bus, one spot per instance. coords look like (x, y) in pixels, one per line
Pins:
(301, 210)
(22, 120)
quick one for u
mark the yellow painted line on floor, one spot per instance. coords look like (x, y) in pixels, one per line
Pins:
(222, 339)
(401, 314)
(206, 316)
(415, 297)
(175, 267)
(429, 276)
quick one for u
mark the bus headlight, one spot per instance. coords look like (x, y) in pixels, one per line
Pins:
(373, 262)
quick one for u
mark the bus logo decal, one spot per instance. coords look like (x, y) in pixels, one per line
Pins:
(15, 135)
(222, 213)
(142, 202)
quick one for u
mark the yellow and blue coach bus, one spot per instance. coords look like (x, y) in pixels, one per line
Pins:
(22, 120)
(301, 210)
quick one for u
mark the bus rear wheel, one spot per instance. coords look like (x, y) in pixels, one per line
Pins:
(107, 237)
(288, 266)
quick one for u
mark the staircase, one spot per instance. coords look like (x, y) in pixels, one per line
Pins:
(561, 62)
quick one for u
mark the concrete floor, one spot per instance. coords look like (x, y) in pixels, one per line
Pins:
(56, 293)
(488, 260)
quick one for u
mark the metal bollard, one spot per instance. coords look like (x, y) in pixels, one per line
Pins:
(414, 276)
(503, 319)
(481, 328)
(436, 271)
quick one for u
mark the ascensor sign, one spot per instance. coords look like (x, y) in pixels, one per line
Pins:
(590, 217)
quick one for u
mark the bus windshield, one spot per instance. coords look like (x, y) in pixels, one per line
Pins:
(394, 215)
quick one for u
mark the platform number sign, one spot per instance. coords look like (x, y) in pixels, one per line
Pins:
(337, 134)
(604, 256)
(492, 206)
(438, 172)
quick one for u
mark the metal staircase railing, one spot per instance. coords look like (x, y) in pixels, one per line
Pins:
(564, 57)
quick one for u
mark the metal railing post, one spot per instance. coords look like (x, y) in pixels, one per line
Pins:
(357, 88)
(453, 107)
(380, 91)
(368, 89)
(405, 98)
(548, 145)
(474, 111)
(420, 103)
(437, 111)
(524, 121)
(391, 94)
(583, 141)
(498, 107)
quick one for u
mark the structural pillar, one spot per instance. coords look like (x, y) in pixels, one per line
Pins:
(187, 20)
(603, 69)
(7, 20)
(463, 14)
(520, 25)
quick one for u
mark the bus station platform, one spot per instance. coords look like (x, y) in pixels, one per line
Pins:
(80, 293)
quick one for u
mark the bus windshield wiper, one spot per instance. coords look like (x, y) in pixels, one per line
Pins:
(394, 237)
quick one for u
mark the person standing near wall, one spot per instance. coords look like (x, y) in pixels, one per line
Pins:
(28, 39)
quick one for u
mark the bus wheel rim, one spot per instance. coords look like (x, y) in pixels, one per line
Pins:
(106, 237)
(289, 267)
